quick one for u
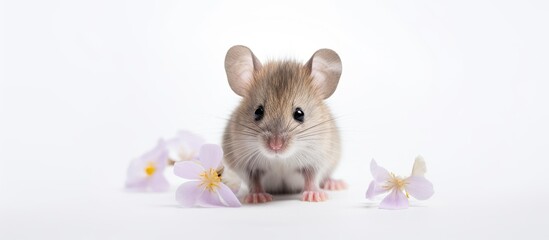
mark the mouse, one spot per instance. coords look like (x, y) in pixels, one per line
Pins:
(282, 137)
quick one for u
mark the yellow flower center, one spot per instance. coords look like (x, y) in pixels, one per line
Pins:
(396, 182)
(150, 169)
(210, 179)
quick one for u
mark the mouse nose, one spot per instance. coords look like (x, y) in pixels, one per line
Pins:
(276, 143)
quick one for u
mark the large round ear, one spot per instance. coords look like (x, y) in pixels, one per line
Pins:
(325, 68)
(240, 64)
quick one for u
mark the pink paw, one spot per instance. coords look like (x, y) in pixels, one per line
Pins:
(333, 184)
(258, 198)
(314, 196)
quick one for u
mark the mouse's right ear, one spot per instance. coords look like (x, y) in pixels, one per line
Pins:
(325, 68)
(240, 64)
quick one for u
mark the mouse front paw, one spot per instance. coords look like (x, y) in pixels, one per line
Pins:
(314, 196)
(333, 184)
(258, 198)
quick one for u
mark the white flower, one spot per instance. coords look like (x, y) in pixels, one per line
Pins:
(400, 188)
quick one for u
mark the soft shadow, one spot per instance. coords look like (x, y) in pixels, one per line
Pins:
(168, 206)
(277, 199)
(194, 207)
(366, 205)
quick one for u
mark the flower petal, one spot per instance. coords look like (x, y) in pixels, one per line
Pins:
(210, 199)
(136, 184)
(194, 141)
(419, 187)
(137, 165)
(161, 159)
(395, 200)
(184, 146)
(188, 193)
(210, 155)
(380, 174)
(158, 183)
(158, 154)
(375, 189)
(419, 168)
(188, 169)
(228, 196)
(136, 171)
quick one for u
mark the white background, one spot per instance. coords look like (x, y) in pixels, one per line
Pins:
(85, 86)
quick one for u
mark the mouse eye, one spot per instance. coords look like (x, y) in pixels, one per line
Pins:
(259, 112)
(299, 115)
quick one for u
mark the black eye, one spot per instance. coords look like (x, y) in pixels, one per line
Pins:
(299, 115)
(259, 112)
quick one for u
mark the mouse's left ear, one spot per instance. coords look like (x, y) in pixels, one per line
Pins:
(325, 68)
(240, 65)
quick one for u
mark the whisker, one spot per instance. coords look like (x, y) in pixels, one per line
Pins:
(317, 125)
(254, 130)
(318, 132)
(244, 149)
(257, 125)
(245, 134)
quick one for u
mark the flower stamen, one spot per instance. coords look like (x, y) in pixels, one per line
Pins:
(395, 182)
(150, 169)
(210, 179)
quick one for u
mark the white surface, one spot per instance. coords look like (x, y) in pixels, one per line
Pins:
(87, 85)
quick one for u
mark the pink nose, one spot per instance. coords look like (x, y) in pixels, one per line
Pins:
(276, 143)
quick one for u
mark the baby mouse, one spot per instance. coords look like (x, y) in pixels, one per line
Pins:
(282, 138)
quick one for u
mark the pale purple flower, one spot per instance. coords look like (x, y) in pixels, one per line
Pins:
(400, 189)
(146, 173)
(184, 146)
(205, 188)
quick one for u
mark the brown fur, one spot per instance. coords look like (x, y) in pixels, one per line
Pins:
(281, 87)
